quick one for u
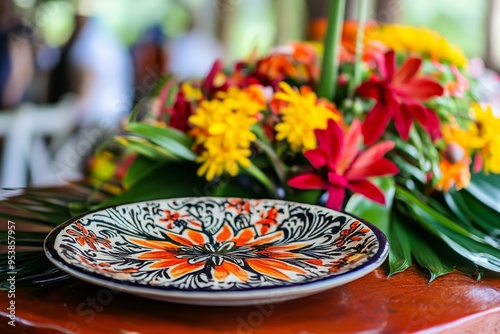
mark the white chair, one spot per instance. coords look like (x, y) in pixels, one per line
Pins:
(25, 150)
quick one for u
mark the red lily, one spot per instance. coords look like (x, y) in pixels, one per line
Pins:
(399, 95)
(346, 166)
(210, 85)
(180, 112)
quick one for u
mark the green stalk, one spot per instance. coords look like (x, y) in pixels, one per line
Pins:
(330, 67)
(360, 39)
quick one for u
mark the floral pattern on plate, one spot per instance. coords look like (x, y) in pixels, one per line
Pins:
(215, 244)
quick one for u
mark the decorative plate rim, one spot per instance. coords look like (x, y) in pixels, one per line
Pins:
(164, 291)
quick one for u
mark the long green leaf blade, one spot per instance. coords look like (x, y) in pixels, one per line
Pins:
(427, 257)
(170, 139)
(400, 249)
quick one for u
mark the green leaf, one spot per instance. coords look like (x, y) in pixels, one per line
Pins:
(262, 178)
(33, 269)
(145, 148)
(399, 247)
(407, 148)
(168, 180)
(140, 168)
(303, 196)
(138, 107)
(51, 218)
(23, 235)
(231, 187)
(377, 214)
(464, 216)
(165, 82)
(482, 255)
(421, 208)
(25, 219)
(417, 142)
(484, 216)
(277, 163)
(427, 257)
(468, 209)
(486, 188)
(409, 169)
(468, 245)
(452, 258)
(168, 138)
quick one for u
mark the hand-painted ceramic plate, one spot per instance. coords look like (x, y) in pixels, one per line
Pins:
(217, 251)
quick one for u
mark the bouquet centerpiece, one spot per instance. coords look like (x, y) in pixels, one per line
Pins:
(382, 121)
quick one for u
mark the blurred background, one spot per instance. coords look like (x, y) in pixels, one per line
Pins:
(71, 70)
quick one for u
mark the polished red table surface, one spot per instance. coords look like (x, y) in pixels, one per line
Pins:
(373, 304)
(404, 303)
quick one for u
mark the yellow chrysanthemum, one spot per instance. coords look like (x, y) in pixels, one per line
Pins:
(218, 157)
(221, 128)
(423, 41)
(301, 115)
(190, 92)
(482, 134)
(491, 156)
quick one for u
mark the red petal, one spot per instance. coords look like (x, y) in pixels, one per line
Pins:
(308, 181)
(375, 123)
(371, 156)
(351, 146)
(421, 88)
(478, 163)
(374, 153)
(390, 66)
(371, 89)
(427, 118)
(317, 157)
(337, 180)
(403, 120)
(335, 198)
(407, 71)
(334, 136)
(367, 189)
(382, 167)
(209, 81)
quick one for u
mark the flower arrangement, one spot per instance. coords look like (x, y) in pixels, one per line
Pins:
(394, 141)
(381, 121)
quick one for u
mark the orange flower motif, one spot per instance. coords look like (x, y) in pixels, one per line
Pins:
(105, 267)
(226, 256)
(267, 220)
(83, 236)
(171, 218)
(240, 205)
(351, 234)
(347, 260)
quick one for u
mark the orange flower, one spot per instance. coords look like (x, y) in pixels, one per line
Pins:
(455, 168)
(297, 60)
(277, 66)
(371, 49)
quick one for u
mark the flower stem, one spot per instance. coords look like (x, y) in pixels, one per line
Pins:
(329, 70)
(360, 40)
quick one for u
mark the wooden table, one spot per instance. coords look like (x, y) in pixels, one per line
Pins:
(373, 304)
(405, 303)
